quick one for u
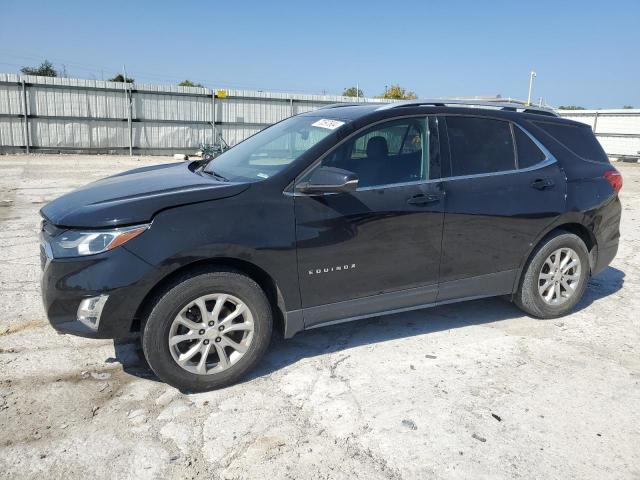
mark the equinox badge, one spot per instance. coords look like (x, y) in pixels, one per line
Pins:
(338, 268)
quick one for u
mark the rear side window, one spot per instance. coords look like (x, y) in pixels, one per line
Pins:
(580, 140)
(480, 145)
(528, 152)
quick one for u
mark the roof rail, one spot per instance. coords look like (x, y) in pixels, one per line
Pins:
(347, 104)
(343, 104)
(511, 105)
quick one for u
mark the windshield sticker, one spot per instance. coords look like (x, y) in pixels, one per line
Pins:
(329, 124)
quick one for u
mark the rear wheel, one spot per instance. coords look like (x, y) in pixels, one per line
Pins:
(207, 330)
(555, 277)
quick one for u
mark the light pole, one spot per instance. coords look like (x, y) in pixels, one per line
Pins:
(532, 75)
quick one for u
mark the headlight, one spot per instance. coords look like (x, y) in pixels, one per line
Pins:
(75, 243)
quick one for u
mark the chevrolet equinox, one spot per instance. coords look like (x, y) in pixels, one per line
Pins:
(342, 213)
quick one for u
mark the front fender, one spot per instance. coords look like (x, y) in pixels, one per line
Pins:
(259, 233)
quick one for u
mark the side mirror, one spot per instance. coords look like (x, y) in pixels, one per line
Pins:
(328, 180)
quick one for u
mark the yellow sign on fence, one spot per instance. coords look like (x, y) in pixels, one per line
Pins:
(221, 93)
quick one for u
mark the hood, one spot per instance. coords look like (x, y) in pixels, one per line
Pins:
(135, 196)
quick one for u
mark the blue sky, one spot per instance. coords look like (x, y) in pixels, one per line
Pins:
(584, 52)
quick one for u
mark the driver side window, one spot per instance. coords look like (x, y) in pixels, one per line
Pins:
(388, 153)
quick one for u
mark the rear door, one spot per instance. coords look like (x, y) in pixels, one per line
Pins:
(502, 189)
(357, 250)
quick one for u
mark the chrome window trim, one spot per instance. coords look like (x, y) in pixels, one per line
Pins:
(537, 166)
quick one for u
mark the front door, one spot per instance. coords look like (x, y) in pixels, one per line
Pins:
(358, 251)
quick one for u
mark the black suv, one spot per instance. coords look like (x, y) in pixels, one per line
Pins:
(342, 213)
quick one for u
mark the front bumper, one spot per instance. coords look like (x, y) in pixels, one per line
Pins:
(121, 275)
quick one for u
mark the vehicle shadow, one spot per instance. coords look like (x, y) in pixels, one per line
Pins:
(606, 283)
(335, 338)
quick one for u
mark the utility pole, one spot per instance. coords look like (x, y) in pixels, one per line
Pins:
(532, 75)
(129, 95)
(357, 91)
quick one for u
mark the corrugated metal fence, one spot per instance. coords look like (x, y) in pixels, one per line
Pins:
(74, 115)
(62, 114)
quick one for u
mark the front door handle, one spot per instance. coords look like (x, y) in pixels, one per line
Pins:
(542, 183)
(424, 199)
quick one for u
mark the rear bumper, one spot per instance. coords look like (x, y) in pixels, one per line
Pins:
(121, 275)
(608, 234)
(605, 257)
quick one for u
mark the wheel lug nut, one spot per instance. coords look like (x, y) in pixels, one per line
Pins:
(206, 342)
(221, 327)
(201, 332)
(218, 339)
(211, 324)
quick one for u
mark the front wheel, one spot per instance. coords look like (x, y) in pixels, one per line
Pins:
(207, 330)
(555, 277)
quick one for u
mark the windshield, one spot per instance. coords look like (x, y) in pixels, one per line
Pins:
(271, 150)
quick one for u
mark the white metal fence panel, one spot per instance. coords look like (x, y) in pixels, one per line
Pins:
(148, 106)
(78, 134)
(90, 115)
(11, 99)
(63, 114)
(44, 101)
(154, 136)
(10, 132)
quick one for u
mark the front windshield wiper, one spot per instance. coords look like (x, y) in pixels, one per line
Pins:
(215, 174)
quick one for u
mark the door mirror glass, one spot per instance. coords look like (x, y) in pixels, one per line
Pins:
(328, 180)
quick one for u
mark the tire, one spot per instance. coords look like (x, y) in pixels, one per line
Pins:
(172, 317)
(536, 275)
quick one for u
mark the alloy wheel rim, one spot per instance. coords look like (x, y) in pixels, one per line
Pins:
(559, 276)
(211, 333)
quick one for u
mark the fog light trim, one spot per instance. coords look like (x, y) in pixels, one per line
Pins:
(90, 310)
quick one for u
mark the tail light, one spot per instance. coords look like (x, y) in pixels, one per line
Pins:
(614, 178)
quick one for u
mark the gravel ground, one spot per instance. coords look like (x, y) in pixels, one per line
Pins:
(474, 390)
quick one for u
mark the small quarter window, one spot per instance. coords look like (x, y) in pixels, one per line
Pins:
(579, 139)
(528, 152)
(480, 145)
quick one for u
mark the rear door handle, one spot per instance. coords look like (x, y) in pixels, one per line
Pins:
(424, 199)
(542, 183)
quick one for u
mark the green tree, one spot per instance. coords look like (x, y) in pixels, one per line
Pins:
(627, 107)
(570, 107)
(397, 92)
(189, 83)
(120, 78)
(352, 92)
(44, 70)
